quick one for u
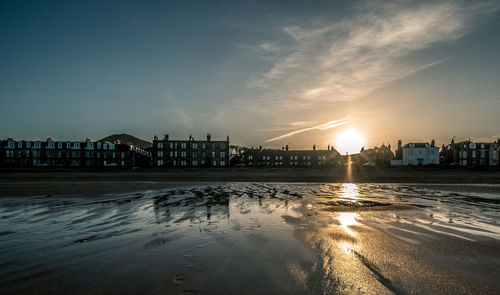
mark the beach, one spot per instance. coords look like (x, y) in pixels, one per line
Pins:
(250, 238)
(26, 182)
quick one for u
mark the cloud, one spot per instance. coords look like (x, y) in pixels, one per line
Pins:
(345, 60)
(324, 126)
(267, 46)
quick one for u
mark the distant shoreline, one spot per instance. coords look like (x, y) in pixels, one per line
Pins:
(44, 182)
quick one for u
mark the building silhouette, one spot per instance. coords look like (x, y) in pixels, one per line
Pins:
(190, 153)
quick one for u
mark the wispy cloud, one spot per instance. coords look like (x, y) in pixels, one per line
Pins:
(324, 126)
(346, 60)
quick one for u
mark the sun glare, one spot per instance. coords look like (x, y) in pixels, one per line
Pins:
(349, 141)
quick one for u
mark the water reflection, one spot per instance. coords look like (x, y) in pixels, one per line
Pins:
(347, 219)
(349, 192)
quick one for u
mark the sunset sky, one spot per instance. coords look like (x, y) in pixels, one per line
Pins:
(270, 74)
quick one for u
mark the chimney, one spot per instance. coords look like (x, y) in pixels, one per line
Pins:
(314, 147)
(209, 136)
(328, 147)
(399, 144)
(155, 137)
(190, 137)
(286, 147)
(227, 138)
(166, 137)
(260, 148)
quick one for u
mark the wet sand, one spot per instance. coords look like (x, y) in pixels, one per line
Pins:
(56, 182)
(255, 238)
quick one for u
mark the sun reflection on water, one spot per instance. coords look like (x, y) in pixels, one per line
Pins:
(347, 219)
(349, 192)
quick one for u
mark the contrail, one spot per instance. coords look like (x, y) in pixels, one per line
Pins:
(324, 126)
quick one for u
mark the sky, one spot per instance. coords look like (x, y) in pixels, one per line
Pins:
(266, 73)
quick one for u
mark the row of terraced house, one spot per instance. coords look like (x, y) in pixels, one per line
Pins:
(191, 152)
(50, 153)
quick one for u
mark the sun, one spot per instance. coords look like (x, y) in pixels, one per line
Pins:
(349, 141)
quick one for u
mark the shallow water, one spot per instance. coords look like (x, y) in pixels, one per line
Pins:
(254, 238)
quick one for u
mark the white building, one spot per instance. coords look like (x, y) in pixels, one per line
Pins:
(416, 154)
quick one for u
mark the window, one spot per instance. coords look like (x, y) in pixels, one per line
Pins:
(493, 155)
(37, 145)
(183, 163)
(76, 145)
(195, 145)
(59, 145)
(171, 153)
(160, 154)
(195, 163)
(473, 154)
(90, 145)
(28, 144)
(195, 154)
(171, 145)
(160, 163)
(222, 145)
(68, 144)
(99, 145)
(160, 145)
(483, 153)
(183, 145)
(203, 146)
(114, 155)
(20, 144)
(183, 154)
(250, 157)
(222, 154)
(123, 155)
